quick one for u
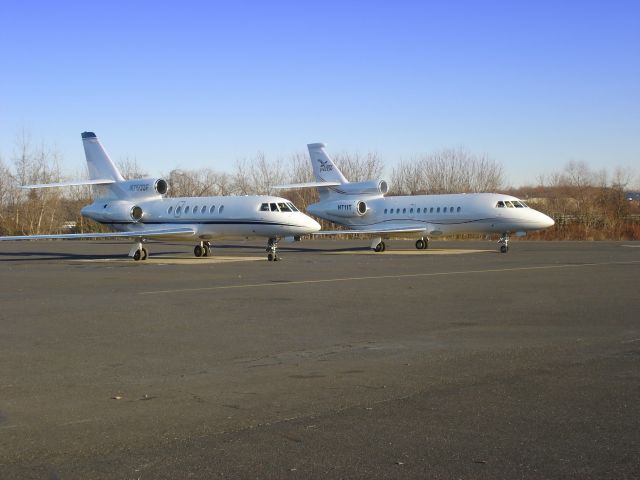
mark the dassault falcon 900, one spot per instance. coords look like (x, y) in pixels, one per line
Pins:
(139, 209)
(362, 208)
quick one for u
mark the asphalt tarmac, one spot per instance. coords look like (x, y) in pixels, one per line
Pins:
(455, 362)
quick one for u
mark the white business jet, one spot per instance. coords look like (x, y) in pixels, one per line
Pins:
(139, 209)
(363, 209)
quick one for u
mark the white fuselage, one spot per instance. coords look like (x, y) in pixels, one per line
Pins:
(439, 214)
(210, 217)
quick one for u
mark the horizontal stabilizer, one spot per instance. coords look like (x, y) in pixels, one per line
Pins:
(307, 185)
(158, 232)
(72, 183)
(373, 231)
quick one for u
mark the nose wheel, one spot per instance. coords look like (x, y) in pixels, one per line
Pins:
(504, 243)
(272, 250)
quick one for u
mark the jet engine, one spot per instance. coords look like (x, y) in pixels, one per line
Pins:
(345, 209)
(144, 187)
(114, 211)
(370, 187)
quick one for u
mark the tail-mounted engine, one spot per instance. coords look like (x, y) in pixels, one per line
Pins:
(346, 209)
(143, 188)
(114, 211)
(371, 187)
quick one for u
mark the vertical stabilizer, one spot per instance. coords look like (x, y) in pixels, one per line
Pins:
(98, 161)
(323, 167)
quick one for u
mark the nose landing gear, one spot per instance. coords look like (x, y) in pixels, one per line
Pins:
(272, 250)
(504, 242)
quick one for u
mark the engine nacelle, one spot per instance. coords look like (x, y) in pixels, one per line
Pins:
(114, 211)
(370, 187)
(345, 208)
(144, 187)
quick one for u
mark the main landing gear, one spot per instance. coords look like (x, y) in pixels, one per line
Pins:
(202, 250)
(377, 245)
(272, 250)
(422, 243)
(138, 252)
(504, 242)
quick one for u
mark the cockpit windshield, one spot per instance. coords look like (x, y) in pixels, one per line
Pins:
(511, 204)
(278, 207)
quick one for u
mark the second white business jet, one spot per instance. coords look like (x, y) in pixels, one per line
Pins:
(139, 209)
(363, 208)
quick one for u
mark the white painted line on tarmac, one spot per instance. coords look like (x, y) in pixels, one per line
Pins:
(385, 277)
(631, 246)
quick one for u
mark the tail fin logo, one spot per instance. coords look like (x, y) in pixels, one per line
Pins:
(325, 166)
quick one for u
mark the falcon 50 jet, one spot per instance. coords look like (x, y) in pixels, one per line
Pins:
(139, 209)
(363, 209)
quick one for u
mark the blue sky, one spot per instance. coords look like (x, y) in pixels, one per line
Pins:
(200, 84)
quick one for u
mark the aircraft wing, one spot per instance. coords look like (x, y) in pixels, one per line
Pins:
(376, 231)
(158, 232)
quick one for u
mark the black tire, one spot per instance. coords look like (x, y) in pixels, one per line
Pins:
(207, 251)
(384, 246)
(197, 251)
(276, 258)
(379, 247)
(504, 249)
(137, 255)
(270, 257)
(144, 254)
(420, 244)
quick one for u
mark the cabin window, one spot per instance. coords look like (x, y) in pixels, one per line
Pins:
(404, 210)
(500, 204)
(508, 204)
(178, 210)
(418, 210)
(284, 207)
(274, 207)
(385, 210)
(264, 207)
(195, 209)
(517, 204)
(458, 209)
(221, 209)
(204, 209)
(293, 207)
(212, 210)
(411, 210)
(169, 210)
(438, 210)
(186, 209)
(431, 210)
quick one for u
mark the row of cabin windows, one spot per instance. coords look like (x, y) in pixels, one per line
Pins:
(195, 209)
(278, 207)
(425, 210)
(511, 204)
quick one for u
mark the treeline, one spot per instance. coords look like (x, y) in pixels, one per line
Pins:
(586, 204)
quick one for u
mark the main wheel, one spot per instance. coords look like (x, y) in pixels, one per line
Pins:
(144, 254)
(270, 257)
(207, 251)
(198, 250)
(420, 244)
(137, 255)
(504, 249)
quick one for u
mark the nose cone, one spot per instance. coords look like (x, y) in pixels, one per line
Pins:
(312, 225)
(547, 221)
